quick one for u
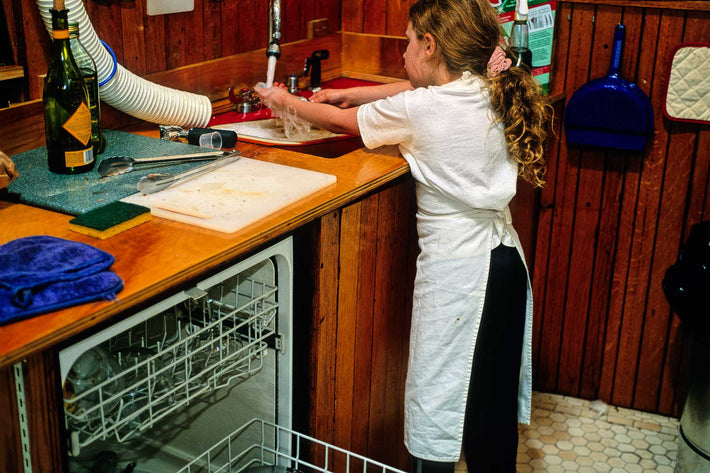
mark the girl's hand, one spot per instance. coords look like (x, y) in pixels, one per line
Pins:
(336, 97)
(274, 97)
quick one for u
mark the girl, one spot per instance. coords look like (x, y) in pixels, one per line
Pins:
(468, 124)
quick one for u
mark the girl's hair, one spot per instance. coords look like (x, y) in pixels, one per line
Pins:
(467, 32)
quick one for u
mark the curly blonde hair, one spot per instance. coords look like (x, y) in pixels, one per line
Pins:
(468, 32)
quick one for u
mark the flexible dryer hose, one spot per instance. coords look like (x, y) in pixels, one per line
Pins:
(126, 91)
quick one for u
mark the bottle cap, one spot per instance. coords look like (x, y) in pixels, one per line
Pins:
(521, 10)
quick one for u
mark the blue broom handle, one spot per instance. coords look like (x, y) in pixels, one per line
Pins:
(616, 50)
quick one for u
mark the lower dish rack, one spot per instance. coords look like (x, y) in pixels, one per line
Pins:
(134, 379)
(260, 446)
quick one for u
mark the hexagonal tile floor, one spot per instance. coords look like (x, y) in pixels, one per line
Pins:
(574, 435)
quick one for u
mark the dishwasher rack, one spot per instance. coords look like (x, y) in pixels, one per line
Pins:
(263, 443)
(158, 366)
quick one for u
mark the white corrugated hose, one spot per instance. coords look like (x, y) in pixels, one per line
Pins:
(126, 91)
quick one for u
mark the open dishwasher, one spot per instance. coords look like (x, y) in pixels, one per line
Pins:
(199, 382)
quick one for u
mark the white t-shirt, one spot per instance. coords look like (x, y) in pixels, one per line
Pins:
(449, 137)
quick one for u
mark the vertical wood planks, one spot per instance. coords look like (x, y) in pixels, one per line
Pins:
(563, 218)
(38, 48)
(11, 459)
(363, 315)
(212, 29)
(134, 40)
(374, 17)
(612, 223)
(43, 411)
(360, 337)
(324, 326)
(229, 27)
(586, 224)
(655, 35)
(541, 262)
(397, 17)
(673, 383)
(347, 326)
(352, 15)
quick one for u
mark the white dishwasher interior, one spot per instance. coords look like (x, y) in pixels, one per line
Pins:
(174, 387)
(199, 382)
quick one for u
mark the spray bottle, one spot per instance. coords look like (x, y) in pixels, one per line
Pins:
(519, 36)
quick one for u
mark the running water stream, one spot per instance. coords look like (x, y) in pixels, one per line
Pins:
(270, 70)
(294, 127)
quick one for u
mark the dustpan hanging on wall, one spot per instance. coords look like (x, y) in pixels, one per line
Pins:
(610, 112)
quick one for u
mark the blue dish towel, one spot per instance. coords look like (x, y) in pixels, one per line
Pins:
(42, 273)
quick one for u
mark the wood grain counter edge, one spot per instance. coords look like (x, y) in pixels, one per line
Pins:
(161, 257)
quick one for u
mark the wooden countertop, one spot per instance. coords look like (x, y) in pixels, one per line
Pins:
(158, 257)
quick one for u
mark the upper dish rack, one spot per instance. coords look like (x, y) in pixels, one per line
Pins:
(135, 378)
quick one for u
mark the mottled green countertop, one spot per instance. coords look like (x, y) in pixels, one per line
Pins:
(79, 193)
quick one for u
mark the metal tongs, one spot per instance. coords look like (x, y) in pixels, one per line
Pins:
(121, 164)
(156, 182)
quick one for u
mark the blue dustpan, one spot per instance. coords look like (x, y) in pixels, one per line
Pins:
(610, 112)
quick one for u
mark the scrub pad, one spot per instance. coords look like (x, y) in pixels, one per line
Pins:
(110, 219)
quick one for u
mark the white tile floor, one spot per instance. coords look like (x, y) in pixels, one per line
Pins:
(574, 435)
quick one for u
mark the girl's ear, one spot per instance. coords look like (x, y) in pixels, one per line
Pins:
(429, 44)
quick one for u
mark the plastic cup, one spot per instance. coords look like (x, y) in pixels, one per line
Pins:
(211, 140)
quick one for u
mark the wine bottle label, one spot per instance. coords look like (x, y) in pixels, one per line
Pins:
(79, 124)
(78, 158)
(60, 34)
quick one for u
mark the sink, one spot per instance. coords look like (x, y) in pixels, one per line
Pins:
(261, 128)
(317, 142)
(329, 149)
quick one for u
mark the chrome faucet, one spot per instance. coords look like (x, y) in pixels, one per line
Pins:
(274, 48)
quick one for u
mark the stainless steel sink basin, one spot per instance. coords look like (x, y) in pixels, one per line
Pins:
(328, 149)
(316, 141)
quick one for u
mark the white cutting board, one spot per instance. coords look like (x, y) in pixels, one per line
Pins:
(234, 196)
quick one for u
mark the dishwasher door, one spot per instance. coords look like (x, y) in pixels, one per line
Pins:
(164, 385)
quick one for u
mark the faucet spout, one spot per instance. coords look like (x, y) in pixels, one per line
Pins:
(274, 47)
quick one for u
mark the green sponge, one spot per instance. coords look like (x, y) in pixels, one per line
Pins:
(110, 219)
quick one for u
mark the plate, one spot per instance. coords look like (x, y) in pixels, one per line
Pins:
(271, 132)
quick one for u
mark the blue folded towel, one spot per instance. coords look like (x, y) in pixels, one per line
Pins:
(42, 273)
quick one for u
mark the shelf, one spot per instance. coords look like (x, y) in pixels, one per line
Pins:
(11, 72)
(695, 5)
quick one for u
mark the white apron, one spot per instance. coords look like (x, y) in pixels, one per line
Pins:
(460, 161)
(450, 287)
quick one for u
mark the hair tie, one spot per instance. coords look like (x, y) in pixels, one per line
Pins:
(498, 62)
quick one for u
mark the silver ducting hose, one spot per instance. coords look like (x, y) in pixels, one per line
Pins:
(126, 91)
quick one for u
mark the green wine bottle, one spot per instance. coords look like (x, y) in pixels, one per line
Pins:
(67, 118)
(519, 36)
(87, 67)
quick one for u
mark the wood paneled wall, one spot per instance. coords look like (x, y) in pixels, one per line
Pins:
(611, 223)
(148, 44)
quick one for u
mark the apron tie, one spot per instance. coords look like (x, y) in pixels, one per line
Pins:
(502, 222)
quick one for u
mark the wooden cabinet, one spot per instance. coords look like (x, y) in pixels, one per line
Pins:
(353, 273)
(360, 262)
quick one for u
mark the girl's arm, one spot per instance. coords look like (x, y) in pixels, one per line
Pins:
(328, 117)
(353, 96)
